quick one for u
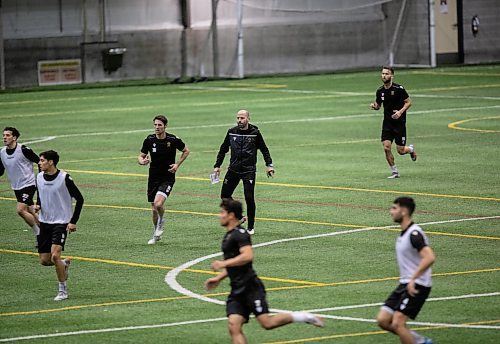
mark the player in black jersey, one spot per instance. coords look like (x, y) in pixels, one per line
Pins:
(159, 150)
(248, 294)
(396, 101)
(244, 140)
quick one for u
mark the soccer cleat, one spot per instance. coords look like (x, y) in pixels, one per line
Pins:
(428, 341)
(154, 240)
(314, 320)
(251, 231)
(394, 175)
(62, 295)
(160, 228)
(67, 261)
(413, 154)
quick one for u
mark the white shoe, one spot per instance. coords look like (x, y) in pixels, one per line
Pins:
(160, 228)
(62, 295)
(251, 231)
(314, 320)
(394, 175)
(154, 240)
(67, 261)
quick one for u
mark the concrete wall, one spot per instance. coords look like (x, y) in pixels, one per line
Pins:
(269, 49)
(485, 47)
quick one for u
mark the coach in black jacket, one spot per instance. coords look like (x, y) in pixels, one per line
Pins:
(244, 140)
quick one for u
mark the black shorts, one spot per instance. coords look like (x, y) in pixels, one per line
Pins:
(163, 188)
(51, 234)
(394, 133)
(25, 195)
(251, 300)
(402, 302)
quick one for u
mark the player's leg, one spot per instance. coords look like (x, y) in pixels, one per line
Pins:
(400, 140)
(235, 326)
(45, 244)
(249, 191)
(384, 318)
(399, 328)
(59, 238)
(25, 207)
(231, 181)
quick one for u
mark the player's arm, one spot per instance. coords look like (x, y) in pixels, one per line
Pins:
(143, 159)
(224, 148)
(77, 195)
(31, 156)
(377, 103)
(2, 168)
(245, 257)
(428, 258)
(213, 282)
(406, 106)
(261, 145)
(174, 167)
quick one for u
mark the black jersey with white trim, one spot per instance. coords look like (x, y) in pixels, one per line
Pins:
(162, 154)
(231, 244)
(393, 99)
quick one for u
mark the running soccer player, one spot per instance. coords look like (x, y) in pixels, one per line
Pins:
(18, 161)
(57, 217)
(244, 140)
(248, 294)
(415, 257)
(159, 150)
(396, 101)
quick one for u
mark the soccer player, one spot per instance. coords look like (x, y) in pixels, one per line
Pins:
(159, 150)
(248, 294)
(244, 140)
(18, 160)
(415, 257)
(396, 101)
(57, 218)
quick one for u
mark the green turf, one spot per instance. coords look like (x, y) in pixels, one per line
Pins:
(331, 177)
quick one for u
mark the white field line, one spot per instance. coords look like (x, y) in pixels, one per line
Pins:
(201, 321)
(113, 329)
(298, 120)
(334, 93)
(366, 305)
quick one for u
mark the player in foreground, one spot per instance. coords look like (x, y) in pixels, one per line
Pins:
(396, 101)
(248, 294)
(415, 258)
(158, 150)
(18, 160)
(57, 218)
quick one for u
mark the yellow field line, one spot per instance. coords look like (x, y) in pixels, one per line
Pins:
(330, 224)
(302, 186)
(452, 234)
(163, 267)
(370, 333)
(455, 125)
(173, 298)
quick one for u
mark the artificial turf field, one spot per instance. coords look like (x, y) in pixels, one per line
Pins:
(330, 180)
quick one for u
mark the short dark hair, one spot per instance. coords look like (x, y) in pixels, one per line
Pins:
(161, 118)
(389, 68)
(51, 155)
(232, 206)
(14, 131)
(406, 202)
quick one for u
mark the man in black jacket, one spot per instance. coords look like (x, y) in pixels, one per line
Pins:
(244, 140)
